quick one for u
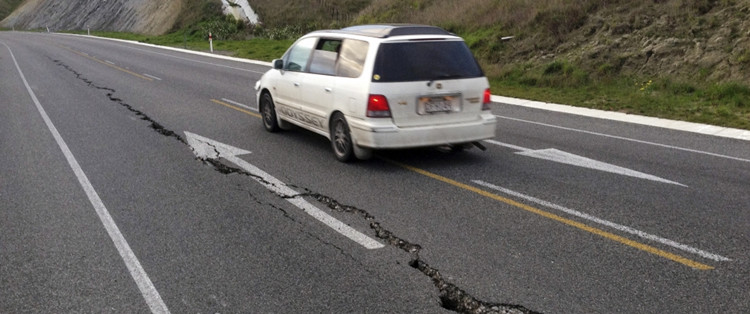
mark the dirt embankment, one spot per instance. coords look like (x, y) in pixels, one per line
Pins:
(138, 16)
(660, 40)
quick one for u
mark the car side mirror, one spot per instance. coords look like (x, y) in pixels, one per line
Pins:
(278, 64)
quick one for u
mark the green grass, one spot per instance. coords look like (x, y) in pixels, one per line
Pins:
(722, 104)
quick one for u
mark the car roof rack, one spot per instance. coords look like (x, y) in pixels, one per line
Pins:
(389, 30)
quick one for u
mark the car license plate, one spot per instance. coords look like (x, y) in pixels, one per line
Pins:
(435, 104)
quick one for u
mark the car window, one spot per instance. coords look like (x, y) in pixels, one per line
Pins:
(352, 58)
(424, 61)
(324, 57)
(299, 54)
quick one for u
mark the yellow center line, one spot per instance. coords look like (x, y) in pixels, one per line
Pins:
(236, 108)
(108, 64)
(546, 214)
(597, 231)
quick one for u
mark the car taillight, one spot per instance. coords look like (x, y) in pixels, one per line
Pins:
(486, 102)
(377, 107)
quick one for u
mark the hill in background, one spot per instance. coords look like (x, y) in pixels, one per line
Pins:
(139, 16)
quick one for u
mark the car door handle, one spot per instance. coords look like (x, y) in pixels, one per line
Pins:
(296, 84)
(328, 89)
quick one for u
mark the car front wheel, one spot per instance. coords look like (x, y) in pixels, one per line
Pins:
(341, 138)
(268, 113)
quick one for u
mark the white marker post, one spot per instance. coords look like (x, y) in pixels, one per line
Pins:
(211, 41)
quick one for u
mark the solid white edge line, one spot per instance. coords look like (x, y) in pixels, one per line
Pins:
(149, 292)
(239, 104)
(197, 53)
(630, 118)
(607, 223)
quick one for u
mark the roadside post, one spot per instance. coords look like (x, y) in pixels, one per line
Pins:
(211, 41)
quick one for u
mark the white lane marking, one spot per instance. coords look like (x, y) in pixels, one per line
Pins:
(607, 223)
(239, 104)
(110, 62)
(210, 149)
(627, 139)
(562, 157)
(151, 76)
(149, 292)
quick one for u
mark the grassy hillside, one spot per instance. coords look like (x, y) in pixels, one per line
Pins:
(7, 6)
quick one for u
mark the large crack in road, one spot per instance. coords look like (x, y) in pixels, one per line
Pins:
(451, 296)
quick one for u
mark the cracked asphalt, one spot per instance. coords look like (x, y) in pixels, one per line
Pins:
(212, 239)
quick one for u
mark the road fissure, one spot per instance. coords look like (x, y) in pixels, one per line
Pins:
(451, 296)
(110, 92)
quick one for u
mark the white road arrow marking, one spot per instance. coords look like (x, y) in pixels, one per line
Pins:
(210, 149)
(559, 156)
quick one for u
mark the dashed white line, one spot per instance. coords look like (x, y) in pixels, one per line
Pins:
(149, 292)
(607, 223)
(110, 62)
(151, 76)
(239, 104)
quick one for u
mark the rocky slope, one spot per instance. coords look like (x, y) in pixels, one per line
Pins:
(706, 43)
(138, 16)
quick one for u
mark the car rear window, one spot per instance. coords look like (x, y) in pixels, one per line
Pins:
(424, 61)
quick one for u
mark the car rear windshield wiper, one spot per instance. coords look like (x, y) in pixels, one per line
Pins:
(444, 77)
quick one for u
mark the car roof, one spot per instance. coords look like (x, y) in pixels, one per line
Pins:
(391, 30)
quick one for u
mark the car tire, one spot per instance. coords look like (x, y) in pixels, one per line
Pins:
(341, 138)
(268, 113)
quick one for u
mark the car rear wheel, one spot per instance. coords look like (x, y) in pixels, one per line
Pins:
(341, 138)
(268, 113)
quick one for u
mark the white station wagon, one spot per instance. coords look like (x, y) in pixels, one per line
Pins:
(379, 87)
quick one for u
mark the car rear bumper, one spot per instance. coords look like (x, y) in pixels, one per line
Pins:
(384, 134)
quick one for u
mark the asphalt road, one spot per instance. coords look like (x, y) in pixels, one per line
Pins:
(105, 206)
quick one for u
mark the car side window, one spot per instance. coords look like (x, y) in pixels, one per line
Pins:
(299, 55)
(352, 58)
(324, 57)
